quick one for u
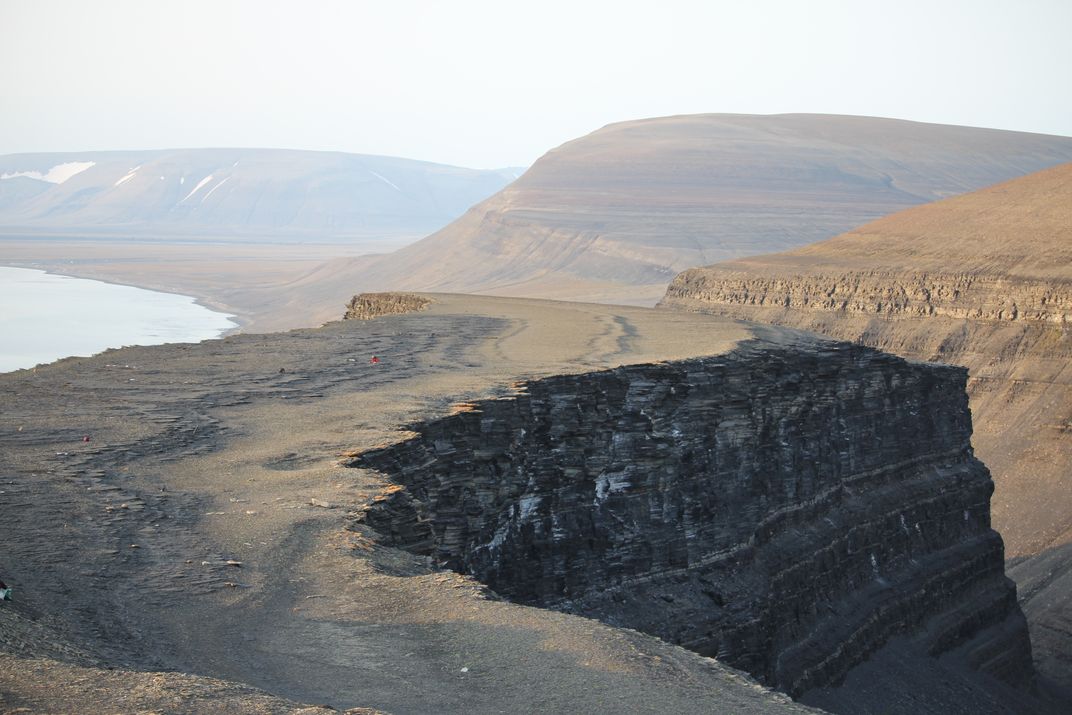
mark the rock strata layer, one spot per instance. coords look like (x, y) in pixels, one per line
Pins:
(887, 294)
(787, 511)
(981, 280)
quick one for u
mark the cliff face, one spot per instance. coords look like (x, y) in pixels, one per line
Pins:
(787, 511)
(981, 280)
(617, 213)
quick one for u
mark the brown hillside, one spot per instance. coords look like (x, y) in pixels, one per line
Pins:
(614, 215)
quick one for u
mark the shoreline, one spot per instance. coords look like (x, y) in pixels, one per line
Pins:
(263, 287)
(203, 301)
(236, 321)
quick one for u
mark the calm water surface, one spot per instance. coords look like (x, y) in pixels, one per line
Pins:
(45, 317)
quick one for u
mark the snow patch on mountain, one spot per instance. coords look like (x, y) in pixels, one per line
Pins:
(128, 177)
(56, 175)
(385, 180)
(198, 187)
(213, 189)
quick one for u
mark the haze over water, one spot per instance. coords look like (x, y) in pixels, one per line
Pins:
(45, 317)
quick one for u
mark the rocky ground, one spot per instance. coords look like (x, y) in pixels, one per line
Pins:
(201, 532)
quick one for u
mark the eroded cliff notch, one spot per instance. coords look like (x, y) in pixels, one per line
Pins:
(784, 508)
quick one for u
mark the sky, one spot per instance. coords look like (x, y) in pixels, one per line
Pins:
(494, 84)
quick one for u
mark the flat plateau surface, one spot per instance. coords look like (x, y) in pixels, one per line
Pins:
(196, 548)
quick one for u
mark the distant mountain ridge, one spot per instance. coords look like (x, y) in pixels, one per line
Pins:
(614, 215)
(267, 194)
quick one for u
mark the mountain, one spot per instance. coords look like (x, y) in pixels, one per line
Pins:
(614, 215)
(982, 280)
(262, 194)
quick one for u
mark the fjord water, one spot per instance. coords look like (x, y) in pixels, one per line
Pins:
(45, 317)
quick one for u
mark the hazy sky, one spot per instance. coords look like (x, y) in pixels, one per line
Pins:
(490, 84)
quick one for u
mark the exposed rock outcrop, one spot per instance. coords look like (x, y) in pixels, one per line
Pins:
(785, 510)
(367, 306)
(885, 294)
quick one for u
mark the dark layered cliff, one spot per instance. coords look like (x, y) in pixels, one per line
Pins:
(785, 510)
